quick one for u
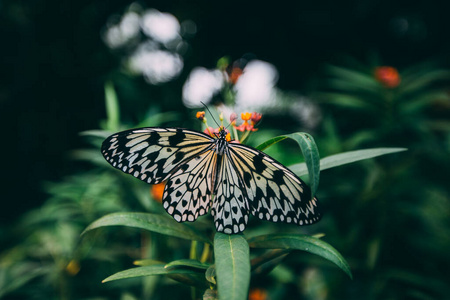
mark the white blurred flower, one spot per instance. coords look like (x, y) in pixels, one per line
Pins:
(128, 28)
(256, 86)
(157, 66)
(201, 86)
(162, 27)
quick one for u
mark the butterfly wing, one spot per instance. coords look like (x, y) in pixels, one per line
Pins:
(187, 193)
(152, 154)
(230, 207)
(274, 192)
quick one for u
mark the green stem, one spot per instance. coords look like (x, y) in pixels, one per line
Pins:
(205, 253)
(193, 251)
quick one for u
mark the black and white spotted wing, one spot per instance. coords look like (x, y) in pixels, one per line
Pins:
(204, 173)
(274, 193)
(153, 154)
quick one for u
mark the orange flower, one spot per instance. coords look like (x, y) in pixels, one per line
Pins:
(246, 126)
(200, 115)
(157, 191)
(257, 294)
(246, 116)
(388, 76)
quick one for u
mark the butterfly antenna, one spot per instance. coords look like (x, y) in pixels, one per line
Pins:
(212, 116)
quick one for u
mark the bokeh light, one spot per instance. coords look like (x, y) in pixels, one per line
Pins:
(150, 41)
(255, 88)
(201, 86)
(127, 29)
(162, 27)
(157, 66)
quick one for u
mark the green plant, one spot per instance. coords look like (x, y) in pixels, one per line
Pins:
(226, 270)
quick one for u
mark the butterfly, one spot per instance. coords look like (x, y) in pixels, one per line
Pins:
(204, 173)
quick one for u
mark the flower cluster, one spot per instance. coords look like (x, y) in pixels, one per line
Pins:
(254, 119)
(250, 121)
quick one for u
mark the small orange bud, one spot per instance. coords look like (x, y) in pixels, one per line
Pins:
(257, 294)
(388, 76)
(246, 116)
(157, 191)
(200, 115)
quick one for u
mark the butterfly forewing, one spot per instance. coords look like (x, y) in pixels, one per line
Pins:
(152, 154)
(274, 193)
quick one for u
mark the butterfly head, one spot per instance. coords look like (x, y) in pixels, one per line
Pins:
(222, 133)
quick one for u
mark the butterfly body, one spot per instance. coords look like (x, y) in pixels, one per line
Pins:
(204, 174)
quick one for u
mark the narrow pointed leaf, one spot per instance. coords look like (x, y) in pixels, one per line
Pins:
(188, 263)
(311, 155)
(270, 142)
(152, 222)
(309, 151)
(112, 108)
(268, 261)
(345, 158)
(301, 242)
(268, 256)
(232, 261)
(146, 271)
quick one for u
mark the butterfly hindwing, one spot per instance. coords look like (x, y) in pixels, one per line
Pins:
(187, 193)
(152, 154)
(230, 207)
(274, 193)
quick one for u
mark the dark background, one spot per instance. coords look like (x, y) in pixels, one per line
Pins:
(53, 63)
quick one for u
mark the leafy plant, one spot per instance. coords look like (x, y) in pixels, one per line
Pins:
(227, 272)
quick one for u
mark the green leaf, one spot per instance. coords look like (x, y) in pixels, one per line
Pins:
(345, 158)
(266, 262)
(312, 158)
(210, 274)
(357, 77)
(112, 108)
(188, 263)
(309, 151)
(152, 222)
(146, 271)
(193, 278)
(147, 262)
(301, 242)
(422, 81)
(270, 142)
(268, 256)
(232, 260)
